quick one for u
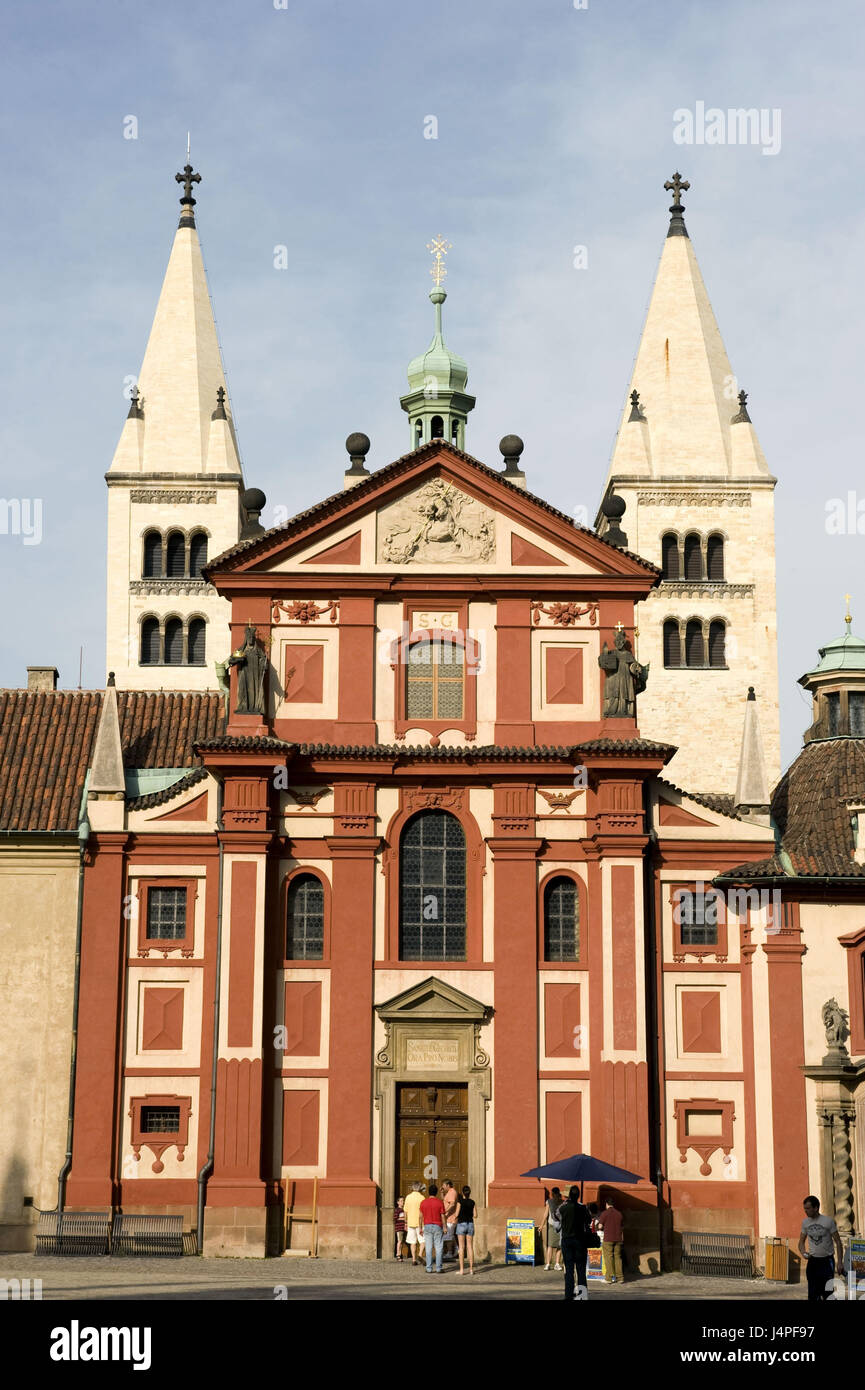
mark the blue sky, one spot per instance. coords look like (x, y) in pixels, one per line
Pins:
(555, 128)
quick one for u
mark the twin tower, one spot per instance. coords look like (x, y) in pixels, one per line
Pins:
(687, 462)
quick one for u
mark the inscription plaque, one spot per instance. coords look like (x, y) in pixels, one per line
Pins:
(431, 1054)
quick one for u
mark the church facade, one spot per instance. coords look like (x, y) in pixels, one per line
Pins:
(438, 876)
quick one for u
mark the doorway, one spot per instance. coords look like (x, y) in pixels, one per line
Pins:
(432, 1135)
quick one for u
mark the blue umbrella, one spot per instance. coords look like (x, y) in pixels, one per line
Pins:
(582, 1168)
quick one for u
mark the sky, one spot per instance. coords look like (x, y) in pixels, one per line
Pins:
(554, 129)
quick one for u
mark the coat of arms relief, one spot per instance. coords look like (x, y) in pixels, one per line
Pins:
(436, 525)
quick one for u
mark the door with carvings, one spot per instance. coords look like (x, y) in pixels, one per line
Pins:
(432, 1135)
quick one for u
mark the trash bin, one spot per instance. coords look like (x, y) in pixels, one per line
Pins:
(777, 1259)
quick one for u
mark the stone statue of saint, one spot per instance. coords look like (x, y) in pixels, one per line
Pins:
(625, 679)
(835, 1023)
(250, 677)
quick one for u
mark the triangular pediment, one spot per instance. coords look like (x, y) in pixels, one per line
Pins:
(433, 999)
(435, 510)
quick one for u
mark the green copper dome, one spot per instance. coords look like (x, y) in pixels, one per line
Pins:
(846, 653)
(450, 371)
(437, 403)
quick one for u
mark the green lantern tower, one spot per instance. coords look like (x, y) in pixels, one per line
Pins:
(437, 403)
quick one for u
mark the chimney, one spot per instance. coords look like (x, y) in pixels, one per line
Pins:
(42, 677)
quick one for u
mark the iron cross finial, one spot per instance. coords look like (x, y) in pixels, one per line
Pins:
(676, 186)
(439, 249)
(187, 178)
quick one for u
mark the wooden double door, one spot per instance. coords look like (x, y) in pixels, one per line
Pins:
(432, 1135)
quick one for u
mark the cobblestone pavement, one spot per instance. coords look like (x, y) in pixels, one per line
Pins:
(257, 1280)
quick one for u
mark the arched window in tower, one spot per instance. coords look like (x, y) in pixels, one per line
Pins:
(561, 920)
(304, 928)
(432, 886)
(435, 679)
(437, 427)
(715, 557)
(418, 434)
(717, 643)
(150, 642)
(693, 557)
(152, 555)
(174, 642)
(670, 556)
(695, 647)
(455, 434)
(175, 555)
(195, 642)
(856, 711)
(672, 644)
(197, 554)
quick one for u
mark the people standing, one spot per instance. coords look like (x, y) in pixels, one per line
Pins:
(449, 1197)
(466, 1228)
(610, 1223)
(551, 1220)
(822, 1236)
(399, 1227)
(414, 1221)
(433, 1216)
(575, 1244)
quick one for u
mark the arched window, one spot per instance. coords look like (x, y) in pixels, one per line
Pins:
(150, 642)
(561, 920)
(153, 555)
(195, 642)
(833, 702)
(455, 434)
(174, 642)
(418, 434)
(197, 554)
(695, 647)
(856, 711)
(715, 557)
(717, 640)
(304, 931)
(672, 644)
(432, 904)
(670, 557)
(693, 557)
(437, 427)
(435, 676)
(175, 556)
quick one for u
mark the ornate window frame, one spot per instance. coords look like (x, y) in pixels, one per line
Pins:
(458, 636)
(185, 944)
(159, 1140)
(681, 949)
(704, 1144)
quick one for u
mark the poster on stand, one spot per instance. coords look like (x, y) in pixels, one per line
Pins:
(520, 1243)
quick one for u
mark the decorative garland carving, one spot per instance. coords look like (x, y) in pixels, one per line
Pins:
(564, 614)
(174, 496)
(446, 798)
(305, 610)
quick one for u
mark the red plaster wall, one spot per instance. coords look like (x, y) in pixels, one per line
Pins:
(303, 1018)
(564, 1124)
(624, 962)
(300, 1121)
(561, 1019)
(241, 971)
(162, 1019)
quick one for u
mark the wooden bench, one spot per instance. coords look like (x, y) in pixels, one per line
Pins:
(717, 1255)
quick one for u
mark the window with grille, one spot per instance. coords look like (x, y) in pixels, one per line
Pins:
(435, 680)
(195, 642)
(150, 642)
(672, 643)
(432, 862)
(715, 557)
(698, 918)
(305, 919)
(833, 704)
(856, 708)
(166, 914)
(160, 1119)
(670, 557)
(561, 920)
(153, 555)
(695, 647)
(197, 554)
(175, 556)
(717, 644)
(693, 557)
(174, 642)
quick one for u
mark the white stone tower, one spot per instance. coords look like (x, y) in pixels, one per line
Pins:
(174, 489)
(699, 503)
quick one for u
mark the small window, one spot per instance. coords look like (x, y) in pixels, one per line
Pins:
(672, 644)
(174, 642)
(434, 680)
(670, 557)
(150, 642)
(437, 427)
(418, 434)
(715, 557)
(305, 914)
(166, 914)
(833, 704)
(160, 1119)
(695, 647)
(693, 557)
(197, 554)
(856, 706)
(153, 555)
(195, 642)
(175, 556)
(717, 644)
(698, 917)
(561, 920)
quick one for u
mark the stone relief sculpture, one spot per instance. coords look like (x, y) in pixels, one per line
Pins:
(835, 1022)
(625, 679)
(250, 678)
(437, 525)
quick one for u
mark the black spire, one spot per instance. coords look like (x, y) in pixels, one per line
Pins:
(677, 221)
(187, 202)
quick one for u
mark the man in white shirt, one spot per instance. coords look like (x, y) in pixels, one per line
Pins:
(822, 1236)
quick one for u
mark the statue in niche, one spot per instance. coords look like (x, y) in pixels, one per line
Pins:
(625, 678)
(252, 663)
(836, 1024)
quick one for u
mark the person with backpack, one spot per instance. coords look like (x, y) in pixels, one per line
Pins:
(554, 1226)
(577, 1236)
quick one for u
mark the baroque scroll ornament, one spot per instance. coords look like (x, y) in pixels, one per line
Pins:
(564, 614)
(305, 610)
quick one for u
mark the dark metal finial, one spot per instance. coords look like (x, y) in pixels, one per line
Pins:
(219, 412)
(187, 202)
(742, 417)
(637, 412)
(135, 411)
(676, 186)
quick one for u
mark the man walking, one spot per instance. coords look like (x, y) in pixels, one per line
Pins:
(575, 1243)
(822, 1236)
(610, 1222)
(433, 1216)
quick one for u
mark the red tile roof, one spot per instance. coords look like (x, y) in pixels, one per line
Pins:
(46, 739)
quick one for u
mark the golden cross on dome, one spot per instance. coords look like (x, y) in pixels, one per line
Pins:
(848, 617)
(439, 248)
